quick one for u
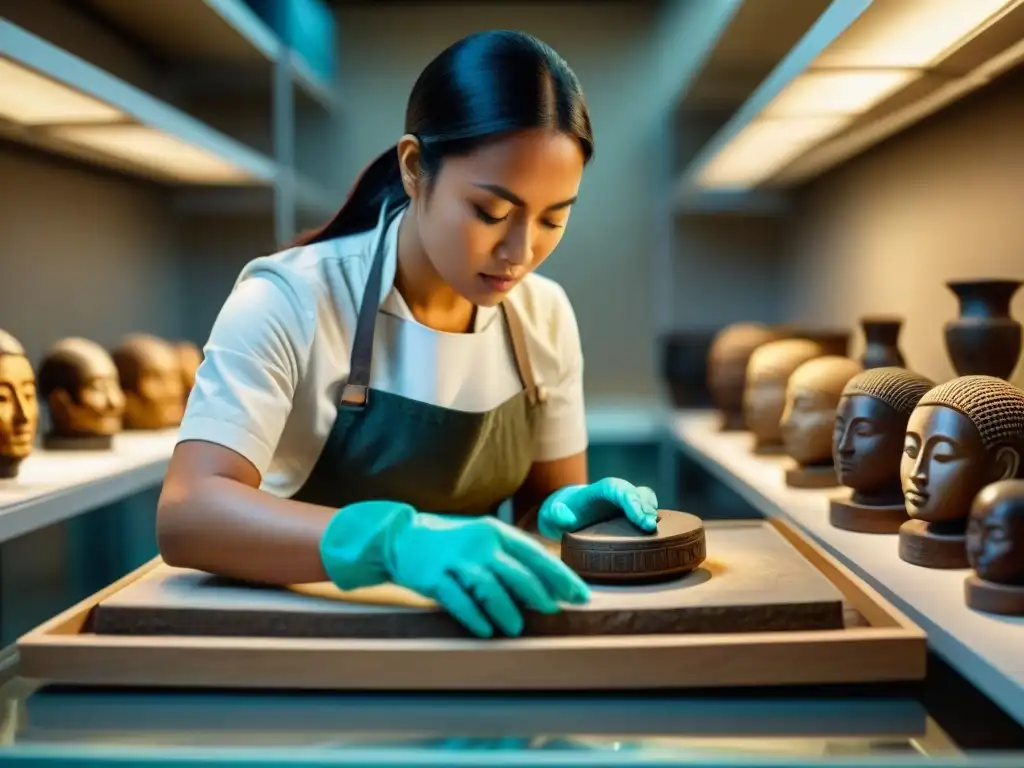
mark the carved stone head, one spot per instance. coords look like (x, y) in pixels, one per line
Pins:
(19, 411)
(79, 382)
(870, 426)
(727, 366)
(189, 358)
(995, 533)
(764, 395)
(962, 435)
(812, 396)
(150, 375)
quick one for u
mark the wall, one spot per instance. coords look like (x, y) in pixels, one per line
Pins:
(633, 58)
(940, 201)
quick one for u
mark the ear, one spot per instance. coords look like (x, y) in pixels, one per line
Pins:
(409, 164)
(1006, 464)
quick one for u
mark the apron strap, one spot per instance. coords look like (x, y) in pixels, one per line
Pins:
(518, 339)
(357, 387)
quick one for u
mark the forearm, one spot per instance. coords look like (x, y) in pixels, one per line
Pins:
(222, 526)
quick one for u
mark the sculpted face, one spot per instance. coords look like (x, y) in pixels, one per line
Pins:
(19, 410)
(82, 389)
(807, 424)
(995, 533)
(944, 464)
(868, 440)
(764, 401)
(98, 408)
(153, 386)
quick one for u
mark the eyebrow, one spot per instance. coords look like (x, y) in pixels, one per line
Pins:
(512, 197)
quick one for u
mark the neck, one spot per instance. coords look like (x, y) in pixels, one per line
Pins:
(431, 300)
(8, 467)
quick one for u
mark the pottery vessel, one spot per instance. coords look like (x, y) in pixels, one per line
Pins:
(984, 339)
(881, 337)
(684, 366)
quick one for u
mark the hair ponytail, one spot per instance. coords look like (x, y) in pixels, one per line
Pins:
(380, 180)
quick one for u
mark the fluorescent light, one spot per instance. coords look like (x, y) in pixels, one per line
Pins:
(155, 150)
(847, 93)
(909, 33)
(765, 146)
(32, 99)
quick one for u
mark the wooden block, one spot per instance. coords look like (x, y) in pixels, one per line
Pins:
(617, 551)
(755, 580)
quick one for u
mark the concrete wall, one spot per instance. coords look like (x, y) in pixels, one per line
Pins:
(941, 201)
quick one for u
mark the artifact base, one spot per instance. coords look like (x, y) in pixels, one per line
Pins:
(812, 477)
(863, 518)
(733, 421)
(989, 597)
(919, 546)
(83, 443)
(617, 552)
(769, 449)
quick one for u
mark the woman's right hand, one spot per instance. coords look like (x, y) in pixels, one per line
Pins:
(481, 570)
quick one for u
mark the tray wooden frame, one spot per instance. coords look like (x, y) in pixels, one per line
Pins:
(890, 648)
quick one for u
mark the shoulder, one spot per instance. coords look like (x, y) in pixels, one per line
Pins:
(545, 310)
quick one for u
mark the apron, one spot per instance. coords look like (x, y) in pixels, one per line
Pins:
(388, 447)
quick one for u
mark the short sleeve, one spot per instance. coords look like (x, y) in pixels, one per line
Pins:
(562, 431)
(257, 352)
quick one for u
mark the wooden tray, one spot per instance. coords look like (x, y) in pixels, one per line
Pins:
(878, 644)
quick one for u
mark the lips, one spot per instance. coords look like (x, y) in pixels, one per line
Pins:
(501, 284)
(916, 498)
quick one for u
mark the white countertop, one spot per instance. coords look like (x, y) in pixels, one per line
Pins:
(987, 650)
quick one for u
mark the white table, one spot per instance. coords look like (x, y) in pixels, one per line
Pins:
(987, 650)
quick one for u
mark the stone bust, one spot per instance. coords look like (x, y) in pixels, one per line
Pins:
(190, 357)
(79, 383)
(868, 439)
(19, 410)
(150, 376)
(995, 549)
(764, 394)
(727, 368)
(812, 396)
(962, 435)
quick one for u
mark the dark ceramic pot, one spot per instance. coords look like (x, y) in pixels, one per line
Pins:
(881, 336)
(984, 339)
(684, 366)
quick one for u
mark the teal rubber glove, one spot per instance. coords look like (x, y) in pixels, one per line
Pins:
(478, 569)
(577, 506)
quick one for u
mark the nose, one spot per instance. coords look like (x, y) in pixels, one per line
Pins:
(845, 446)
(919, 475)
(20, 411)
(517, 247)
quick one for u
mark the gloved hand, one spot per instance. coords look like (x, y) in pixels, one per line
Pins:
(475, 568)
(577, 506)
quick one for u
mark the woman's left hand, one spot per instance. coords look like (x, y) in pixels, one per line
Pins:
(577, 506)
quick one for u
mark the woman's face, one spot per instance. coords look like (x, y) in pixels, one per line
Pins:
(495, 215)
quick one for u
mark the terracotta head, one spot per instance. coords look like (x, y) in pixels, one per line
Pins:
(19, 411)
(764, 394)
(871, 422)
(995, 533)
(962, 435)
(812, 396)
(150, 376)
(79, 382)
(727, 363)
(189, 358)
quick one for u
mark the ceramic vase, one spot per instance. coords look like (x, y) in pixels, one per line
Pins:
(684, 367)
(881, 337)
(984, 339)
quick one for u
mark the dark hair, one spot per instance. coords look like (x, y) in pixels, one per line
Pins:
(482, 87)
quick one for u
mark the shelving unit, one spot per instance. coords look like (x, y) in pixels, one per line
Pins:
(985, 649)
(215, 113)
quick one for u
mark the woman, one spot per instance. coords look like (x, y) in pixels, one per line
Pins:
(299, 461)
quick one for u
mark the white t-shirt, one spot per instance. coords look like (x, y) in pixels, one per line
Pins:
(279, 352)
